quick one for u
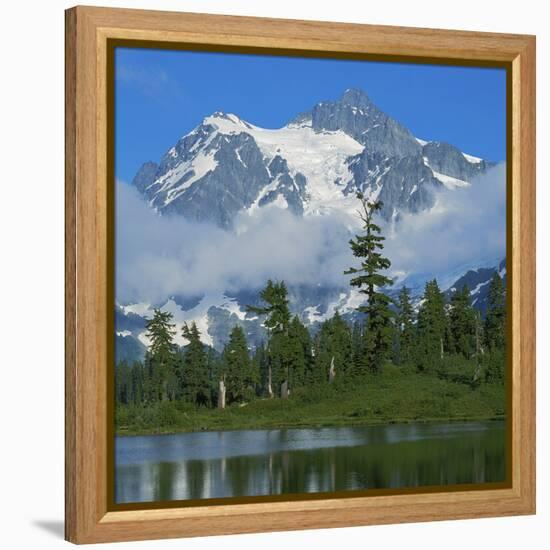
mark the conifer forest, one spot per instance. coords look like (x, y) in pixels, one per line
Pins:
(398, 360)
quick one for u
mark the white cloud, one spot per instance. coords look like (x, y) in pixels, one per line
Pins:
(467, 226)
(161, 256)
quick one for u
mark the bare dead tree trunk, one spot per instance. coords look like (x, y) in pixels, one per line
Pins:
(269, 385)
(285, 390)
(221, 394)
(441, 347)
(331, 371)
(479, 347)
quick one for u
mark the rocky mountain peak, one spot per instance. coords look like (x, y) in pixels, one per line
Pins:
(356, 98)
(316, 163)
(226, 122)
(356, 115)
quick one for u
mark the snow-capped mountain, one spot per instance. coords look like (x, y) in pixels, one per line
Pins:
(478, 280)
(216, 314)
(312, 165)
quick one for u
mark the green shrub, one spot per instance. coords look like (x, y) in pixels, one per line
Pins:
(314, 393)
(167, 413)
(184, 406)
(495, 366)
(456, 368)
(121, 415)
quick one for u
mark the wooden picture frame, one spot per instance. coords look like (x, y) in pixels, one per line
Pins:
(90, 32)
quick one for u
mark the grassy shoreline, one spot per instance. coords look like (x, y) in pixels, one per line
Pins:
(346, 423)
(395, 397)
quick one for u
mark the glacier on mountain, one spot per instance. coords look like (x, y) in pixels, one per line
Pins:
(315, 163)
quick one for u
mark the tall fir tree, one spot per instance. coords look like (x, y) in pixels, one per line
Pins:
(161, 356)
(431, 328)
(405, 326)
(129, 382)
(123, 383)
(138, 380)
(333, 350)
(194, 369)
(370, 278)
(277, 320)
(149, 393)
(275, 308)
(495, 331)
(260, 363)
(300, 352)
(357, 346)
(214, 369)
(495, 319)
(238, 374)
(280, 355)
(462, 324)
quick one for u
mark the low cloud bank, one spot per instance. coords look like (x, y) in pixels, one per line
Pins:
(466, 226)
(161, 256)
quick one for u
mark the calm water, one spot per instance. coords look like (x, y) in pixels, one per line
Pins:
(270, 462)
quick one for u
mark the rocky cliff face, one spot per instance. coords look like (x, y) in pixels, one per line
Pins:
(356, 115)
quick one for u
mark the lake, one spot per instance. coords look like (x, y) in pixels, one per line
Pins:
(273, 462)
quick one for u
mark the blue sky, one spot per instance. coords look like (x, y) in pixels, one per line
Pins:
(161, 95)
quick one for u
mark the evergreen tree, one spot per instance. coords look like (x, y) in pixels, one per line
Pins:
(214, 369)
(405, 326)
(260, 366)
(122, 383)
(161, 356)
(280, 356)
(462, 324)
(369, 278)
(495, 319)
(275, 298)
(277, 319)
(149, 393)
(357, 347)
(431, 328)
(334, 349)
(300, 352)
(494, 365)
(319, 371)
(194, 372)
(237, 372)
(137, 381)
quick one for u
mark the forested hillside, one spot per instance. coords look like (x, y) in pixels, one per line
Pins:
(441, 359)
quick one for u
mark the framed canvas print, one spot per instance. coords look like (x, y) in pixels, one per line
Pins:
(299, 274)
